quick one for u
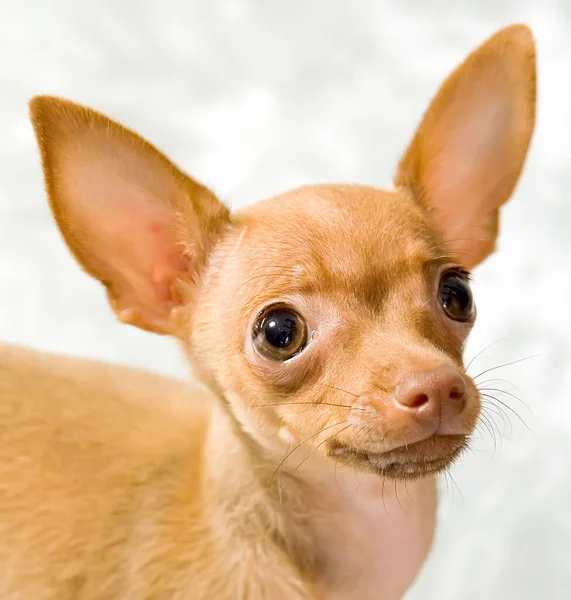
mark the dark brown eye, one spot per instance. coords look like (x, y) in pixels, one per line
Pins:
(455, 296)
(280, 333)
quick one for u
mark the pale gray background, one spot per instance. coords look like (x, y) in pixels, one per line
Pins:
(257, 97)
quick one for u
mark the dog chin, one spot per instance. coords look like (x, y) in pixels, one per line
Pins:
(413, 461)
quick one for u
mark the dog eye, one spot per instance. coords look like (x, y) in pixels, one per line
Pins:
(280, 333)
(455, 296)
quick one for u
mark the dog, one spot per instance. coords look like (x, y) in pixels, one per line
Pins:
(324, 329)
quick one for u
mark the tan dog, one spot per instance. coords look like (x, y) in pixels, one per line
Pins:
(327, 325)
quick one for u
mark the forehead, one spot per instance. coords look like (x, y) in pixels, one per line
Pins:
(322, 238)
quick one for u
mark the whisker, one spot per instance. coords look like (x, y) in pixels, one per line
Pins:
(298, 404)
(407, 491)
(481, 352)
(369, 369)
(446, 481)
(496, 380)
(487, 389)
(301, 444)
(352, 440)
(486, 423)
(498, 407)
(487, 412)
(514, 362)
(455, 485)
(355, 468)
(311, 454)
(490, 409)
(360, 482)
(384, 503)
(508, 407)
(366, 428)
(397, 497)
(471, 450)
(339, 389)
(381, 389)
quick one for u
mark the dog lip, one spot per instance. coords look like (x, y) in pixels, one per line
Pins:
(407, 461)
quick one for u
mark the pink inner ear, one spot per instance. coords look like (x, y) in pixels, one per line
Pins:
(146, 250)
(468, 168)
(127, 235)
(467, 160)
(470, 147)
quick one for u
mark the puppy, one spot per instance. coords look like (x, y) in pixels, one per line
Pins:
(324, 328)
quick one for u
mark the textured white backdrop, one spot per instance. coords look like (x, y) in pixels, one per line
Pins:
(257, 97)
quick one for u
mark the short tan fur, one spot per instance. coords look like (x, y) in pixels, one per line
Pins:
(325, 330)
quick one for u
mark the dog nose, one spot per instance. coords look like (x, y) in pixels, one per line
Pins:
(435, 396)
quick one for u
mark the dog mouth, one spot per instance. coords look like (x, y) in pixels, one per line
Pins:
(413, 461)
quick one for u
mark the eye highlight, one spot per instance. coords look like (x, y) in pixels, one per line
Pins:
(280, 333)
(455, 296)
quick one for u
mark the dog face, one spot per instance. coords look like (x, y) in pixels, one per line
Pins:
(344, 325)
(331, 315)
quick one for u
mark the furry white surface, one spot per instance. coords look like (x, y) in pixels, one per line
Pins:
(257, 97)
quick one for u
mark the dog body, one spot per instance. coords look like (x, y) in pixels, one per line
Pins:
(324, 328)
(105, 474)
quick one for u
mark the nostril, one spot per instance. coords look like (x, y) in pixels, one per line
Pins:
(418, 401)
(436, 392)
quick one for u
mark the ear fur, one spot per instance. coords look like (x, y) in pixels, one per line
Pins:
(130, 217)
(469, 150)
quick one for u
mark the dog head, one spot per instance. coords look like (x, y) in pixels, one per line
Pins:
(333, 315)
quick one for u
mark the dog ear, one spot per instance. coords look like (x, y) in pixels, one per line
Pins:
(131, 218)
(468, 152)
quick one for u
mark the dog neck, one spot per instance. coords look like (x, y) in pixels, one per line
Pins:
(350, 533)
